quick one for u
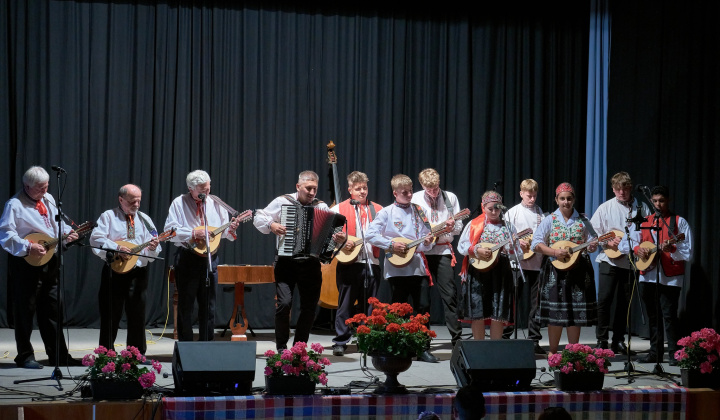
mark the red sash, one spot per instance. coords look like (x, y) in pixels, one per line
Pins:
(477, 226)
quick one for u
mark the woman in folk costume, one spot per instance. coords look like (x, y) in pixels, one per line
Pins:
(487, 296)
(567, 298)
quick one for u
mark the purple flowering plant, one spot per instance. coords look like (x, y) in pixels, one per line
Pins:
(109, 365)
(298, 361)
(581, 358)
(701, 350)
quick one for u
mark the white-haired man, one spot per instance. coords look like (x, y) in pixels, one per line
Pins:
(186, 214)
(126, 290)
(289, 272)
(34, 288)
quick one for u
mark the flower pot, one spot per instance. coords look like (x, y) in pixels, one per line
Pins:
(289, 385)
(116, 390)
(579, 381)
(693, 378)
(391, 366)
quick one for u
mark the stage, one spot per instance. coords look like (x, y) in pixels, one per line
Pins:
(643, 395)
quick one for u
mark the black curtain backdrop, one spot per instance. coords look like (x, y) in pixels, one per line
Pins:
(144, 92)
(663, 125)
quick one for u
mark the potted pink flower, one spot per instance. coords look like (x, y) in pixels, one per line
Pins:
(296, 370)
(118, 375)
(580, 367)
(699, 359)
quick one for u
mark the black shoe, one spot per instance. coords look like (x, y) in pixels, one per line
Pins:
(603, 344)
(648, 358)
(338, 350)
(30, 364)
(619, 347)
(539, 350)
(428, 357)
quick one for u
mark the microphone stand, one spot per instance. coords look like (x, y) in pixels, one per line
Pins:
(629, 368)
(368, 266)
(208, 273)
(515, 268)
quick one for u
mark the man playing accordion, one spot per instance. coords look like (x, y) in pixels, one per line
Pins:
(303, 271)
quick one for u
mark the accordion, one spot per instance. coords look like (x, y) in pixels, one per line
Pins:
(308, 232)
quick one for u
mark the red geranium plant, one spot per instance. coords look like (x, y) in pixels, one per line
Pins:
(701, 350)
(391, 330)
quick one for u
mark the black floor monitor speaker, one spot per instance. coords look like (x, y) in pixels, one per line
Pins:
(494, 365)
(203, 368)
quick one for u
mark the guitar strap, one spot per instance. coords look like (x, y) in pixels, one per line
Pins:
(294, 201)
(372, 210)
(147, 224)
(422, 216)
(66, 219)
(588, 225)
(227, 207)
(447, 203)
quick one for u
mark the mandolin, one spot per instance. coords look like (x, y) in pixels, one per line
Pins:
(483, 265)
(568, 262)
(614, 253)
(401, 259)
(121, 266)
(645, 264)
(49, 243)
(349, 257)
(198, 245)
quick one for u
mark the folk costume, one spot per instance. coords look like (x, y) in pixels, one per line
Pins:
(486, 295)
(350, 278)
(662, 282)
(567, 298)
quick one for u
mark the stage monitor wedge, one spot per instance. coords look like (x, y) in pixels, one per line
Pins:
(207, 368)
(494, 365)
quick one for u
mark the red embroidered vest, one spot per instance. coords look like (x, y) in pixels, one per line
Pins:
(671, 267)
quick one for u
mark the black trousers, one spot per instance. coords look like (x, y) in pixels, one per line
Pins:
(666, 300)
(190, 276)
(614, 284)
(528, 300)
(441, 269)
(306, 274)
(404, 287)
(35, 290)
(123, 291)
(350, 279)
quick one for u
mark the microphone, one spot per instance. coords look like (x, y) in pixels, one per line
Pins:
(201, 196)
(58, 169)
(638, 219)
(501, 207)
(354, 202)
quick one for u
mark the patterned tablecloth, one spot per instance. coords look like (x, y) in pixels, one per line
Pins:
(661, 403)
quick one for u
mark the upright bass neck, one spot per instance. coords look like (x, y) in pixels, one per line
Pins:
(332, 160)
